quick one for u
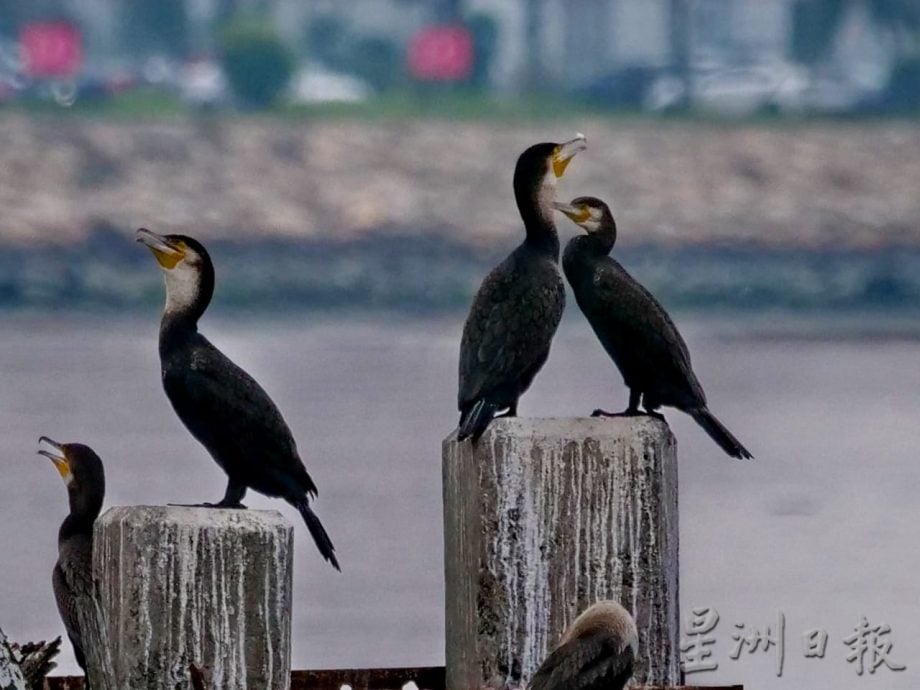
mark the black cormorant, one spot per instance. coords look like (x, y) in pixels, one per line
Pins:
(515, 313)
(72, 579)
(633, 327)
(220, 404)
(597, 652)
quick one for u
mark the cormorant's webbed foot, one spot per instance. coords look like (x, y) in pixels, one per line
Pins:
(510, 412)
(220, 504)
(628, 412)
(656, 415)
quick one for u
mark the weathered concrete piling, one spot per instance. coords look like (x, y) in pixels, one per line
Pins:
(196, 585)
(543, 517)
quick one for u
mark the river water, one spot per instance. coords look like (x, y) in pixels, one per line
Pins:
(822, 527)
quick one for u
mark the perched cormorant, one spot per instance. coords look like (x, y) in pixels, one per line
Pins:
(633, 327)
(220, 404)
(597, 652)
(72, 579)
(515, 313)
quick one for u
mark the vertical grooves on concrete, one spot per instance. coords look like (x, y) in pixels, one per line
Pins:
(564, 513)
(182, 585)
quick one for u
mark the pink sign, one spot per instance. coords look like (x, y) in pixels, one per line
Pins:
(441, 53)
(51, 49)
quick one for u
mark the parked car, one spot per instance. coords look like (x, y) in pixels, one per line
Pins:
(316, 84)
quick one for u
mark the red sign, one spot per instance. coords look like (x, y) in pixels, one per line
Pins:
(441, 53)
(51, 49)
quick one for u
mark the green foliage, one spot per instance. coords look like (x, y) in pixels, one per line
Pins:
(903, 93)
(815, 23)
(484, 30)
(15, 13)
(378, 61)
(814, 28)
(326, 39)
(152, 28)
(257, 64)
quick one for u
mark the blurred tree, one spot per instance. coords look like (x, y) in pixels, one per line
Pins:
(257, 64)
(484, 30)
(448, 11)
(679, 37)
(155, 28)
(377, 60)
(15, 13)
(326, 39)
(814, 27)
(815, 24)
(534, 73)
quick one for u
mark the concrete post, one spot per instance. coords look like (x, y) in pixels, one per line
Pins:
(543, 517)
(196, 585)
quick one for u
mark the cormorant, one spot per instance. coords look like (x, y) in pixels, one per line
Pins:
(597, 652)
(515, 313)
(72, 579)
(219, 403)
(633, 327)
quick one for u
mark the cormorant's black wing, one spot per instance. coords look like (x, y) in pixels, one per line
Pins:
(591, 662)
(652, 334)
(509, 328)
(232, 415)
(72, 583)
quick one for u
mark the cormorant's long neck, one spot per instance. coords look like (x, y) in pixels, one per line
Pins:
(188, 293)
(535, 204)
(175, 329)
(601, 241)
(84, 509)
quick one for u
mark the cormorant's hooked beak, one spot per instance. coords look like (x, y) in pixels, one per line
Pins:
(167, 254)
(578, 214)
(58, 456)
(566, 152)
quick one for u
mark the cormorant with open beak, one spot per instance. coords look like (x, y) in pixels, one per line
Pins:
(633, 327)
(597, 652)
(507, 335)
(72, 579)
(220, 404)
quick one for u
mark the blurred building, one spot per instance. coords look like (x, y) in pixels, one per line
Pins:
(546, 44)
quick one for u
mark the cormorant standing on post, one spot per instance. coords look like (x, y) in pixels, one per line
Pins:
(515, 313)
(597, 652)
(72, 579)
(220, 404)
(633, 327)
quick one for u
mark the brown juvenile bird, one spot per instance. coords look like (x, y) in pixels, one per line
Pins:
(597, 652)
(72, 579)
(507, 335)
(633, 327)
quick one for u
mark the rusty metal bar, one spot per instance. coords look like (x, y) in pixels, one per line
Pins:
(425, 677)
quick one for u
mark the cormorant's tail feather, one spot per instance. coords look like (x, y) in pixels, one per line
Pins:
(475, 421)
(318, 532)
(720, 434)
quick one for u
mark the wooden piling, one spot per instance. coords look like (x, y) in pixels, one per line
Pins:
(542, 518)
(196, 585)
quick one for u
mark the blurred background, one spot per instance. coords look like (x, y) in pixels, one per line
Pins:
(348, 165)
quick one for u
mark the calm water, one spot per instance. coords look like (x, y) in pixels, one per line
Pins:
(822, 526)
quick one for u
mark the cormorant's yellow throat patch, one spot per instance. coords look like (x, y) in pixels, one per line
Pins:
(581, 215)
(169, 260)
(560, 164)
(58, 456)
(63, 468)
